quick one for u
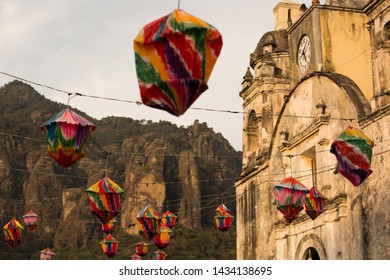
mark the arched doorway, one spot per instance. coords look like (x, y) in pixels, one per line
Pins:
(311, 247)
(311, 254)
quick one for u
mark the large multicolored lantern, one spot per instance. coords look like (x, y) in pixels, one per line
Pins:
(174, 58)
(109, 246)
(67, 134)
(160, 255)
(224, 221)
(110, 226)
(148, 221)
(104, 198)
(13, 233)
(168, 219)
(314, 203)
(353, 150)
(47, 254)
(142, 248)
(161, 240)
(290, 195)
(30, 220)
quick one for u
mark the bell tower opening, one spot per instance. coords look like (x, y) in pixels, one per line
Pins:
(253, 140)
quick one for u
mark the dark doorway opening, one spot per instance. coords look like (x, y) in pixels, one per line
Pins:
(311, 254)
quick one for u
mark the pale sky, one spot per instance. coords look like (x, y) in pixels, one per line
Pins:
(86, 46)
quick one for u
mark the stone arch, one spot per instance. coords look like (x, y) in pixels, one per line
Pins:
(360, 104)
(307, 242)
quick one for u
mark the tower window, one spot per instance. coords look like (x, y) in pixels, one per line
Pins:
(265, 98)
(268, 49)
(252, 132)
(309, 167)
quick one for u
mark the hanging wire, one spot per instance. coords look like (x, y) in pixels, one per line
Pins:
(191, 108)
(68, 92)
(168, 154)
(178, 4)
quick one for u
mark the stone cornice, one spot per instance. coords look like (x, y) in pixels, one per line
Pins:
(252, 173)
(306, 133)
(375, 116)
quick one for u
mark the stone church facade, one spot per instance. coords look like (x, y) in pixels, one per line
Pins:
(296, 104)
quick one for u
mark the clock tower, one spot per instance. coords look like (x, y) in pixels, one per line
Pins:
(324, 39)
(321, 69)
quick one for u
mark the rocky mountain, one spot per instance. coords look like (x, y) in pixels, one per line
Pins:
(183, 169)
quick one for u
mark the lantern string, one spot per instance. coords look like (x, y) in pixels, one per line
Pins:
(348, 119)
(178, 4)
(70, 96)
(105, 169)
(191, 108)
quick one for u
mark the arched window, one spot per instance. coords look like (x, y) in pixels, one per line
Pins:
(252, 132)
(386, 31)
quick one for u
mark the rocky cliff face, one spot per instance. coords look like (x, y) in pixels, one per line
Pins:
(181, 169)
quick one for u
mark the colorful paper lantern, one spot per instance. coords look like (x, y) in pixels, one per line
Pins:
(67, 134)
(104, 198)
(353, 150)
(168, 219)
(47, 254)
(159, 255)
(12, 233)
(30, 220)
(224, 221)
(290, 196)
(148, 221)
(142, 248)
(174, 58)
(109, 246)
(222, 209)
(161, 240)
(314, 203)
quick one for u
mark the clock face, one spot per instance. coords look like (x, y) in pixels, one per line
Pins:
(304, 53)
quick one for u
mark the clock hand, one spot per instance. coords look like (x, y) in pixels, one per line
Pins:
(305, 47)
